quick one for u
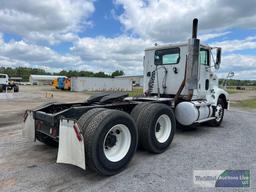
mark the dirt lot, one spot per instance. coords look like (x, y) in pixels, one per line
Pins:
(27, 166)
(243, 95)
(30, 97)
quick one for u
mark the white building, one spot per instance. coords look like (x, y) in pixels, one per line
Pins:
(137, 80)
(100, 84)
(42, 79)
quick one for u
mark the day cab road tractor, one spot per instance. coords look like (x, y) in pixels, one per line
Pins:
(6, 85)
(103, 133)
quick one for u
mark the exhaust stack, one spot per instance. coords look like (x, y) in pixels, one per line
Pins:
(194, 28)
(192, 61)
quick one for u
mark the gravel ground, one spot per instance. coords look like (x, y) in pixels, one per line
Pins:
(26, 166)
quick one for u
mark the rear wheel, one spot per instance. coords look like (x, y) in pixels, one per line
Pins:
(135, 114)
(86, 118)
(110, 141)
(16, 88)
(137, 110)
(156, 127)
(1, 88)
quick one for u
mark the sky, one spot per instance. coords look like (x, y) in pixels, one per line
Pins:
(109, 35)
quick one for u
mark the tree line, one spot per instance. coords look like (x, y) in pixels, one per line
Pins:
(237, 82)
(25, 72)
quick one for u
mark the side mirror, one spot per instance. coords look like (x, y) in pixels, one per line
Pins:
(218, 59)
(231, 74)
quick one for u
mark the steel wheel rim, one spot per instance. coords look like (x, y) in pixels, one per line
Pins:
(163, 128)
(121, 145)
(219, 112)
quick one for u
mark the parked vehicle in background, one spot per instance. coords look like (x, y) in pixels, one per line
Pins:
(67, 84)
(62, 83)
(5, 84)
(55, 83)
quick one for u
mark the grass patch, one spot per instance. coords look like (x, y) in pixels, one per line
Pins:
(232, 91)
(135, 91)
(246, 104)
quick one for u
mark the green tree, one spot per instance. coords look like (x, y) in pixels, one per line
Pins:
(23, 72)
(117, 73)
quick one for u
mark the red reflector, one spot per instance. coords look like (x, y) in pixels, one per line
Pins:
(54, 132)
(78, 135)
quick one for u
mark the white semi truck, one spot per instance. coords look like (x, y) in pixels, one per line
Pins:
(5, 84)
(102, 134)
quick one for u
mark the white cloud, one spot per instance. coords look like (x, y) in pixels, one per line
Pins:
(166, 20)
(39, 19)
(110, 54)
(246, 75)
(52, 38)
(19, 53)
(9, 62)
(93, 54)
(235, 45)
(205, 37)
(1, 39)
(242, 65)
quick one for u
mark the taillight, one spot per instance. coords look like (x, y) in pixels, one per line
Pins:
(53, 132)
(39, 124)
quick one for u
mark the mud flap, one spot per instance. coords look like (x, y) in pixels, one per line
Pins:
(29, 126)
(228, 105)
(71, 144)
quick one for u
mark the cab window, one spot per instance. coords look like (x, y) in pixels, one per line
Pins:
(204, 57)
(2, 76)
(167, 56)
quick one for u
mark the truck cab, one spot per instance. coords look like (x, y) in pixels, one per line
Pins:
(185, 74)
(4, 79)
(166, 77)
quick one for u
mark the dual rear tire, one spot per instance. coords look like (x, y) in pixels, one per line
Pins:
(16, 88)
(110, 139)
(111, 136)
(156, 126)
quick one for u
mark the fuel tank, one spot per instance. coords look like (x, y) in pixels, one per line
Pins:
(188, 113)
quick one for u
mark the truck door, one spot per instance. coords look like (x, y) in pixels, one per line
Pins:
(171, 69)
(204, 75)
